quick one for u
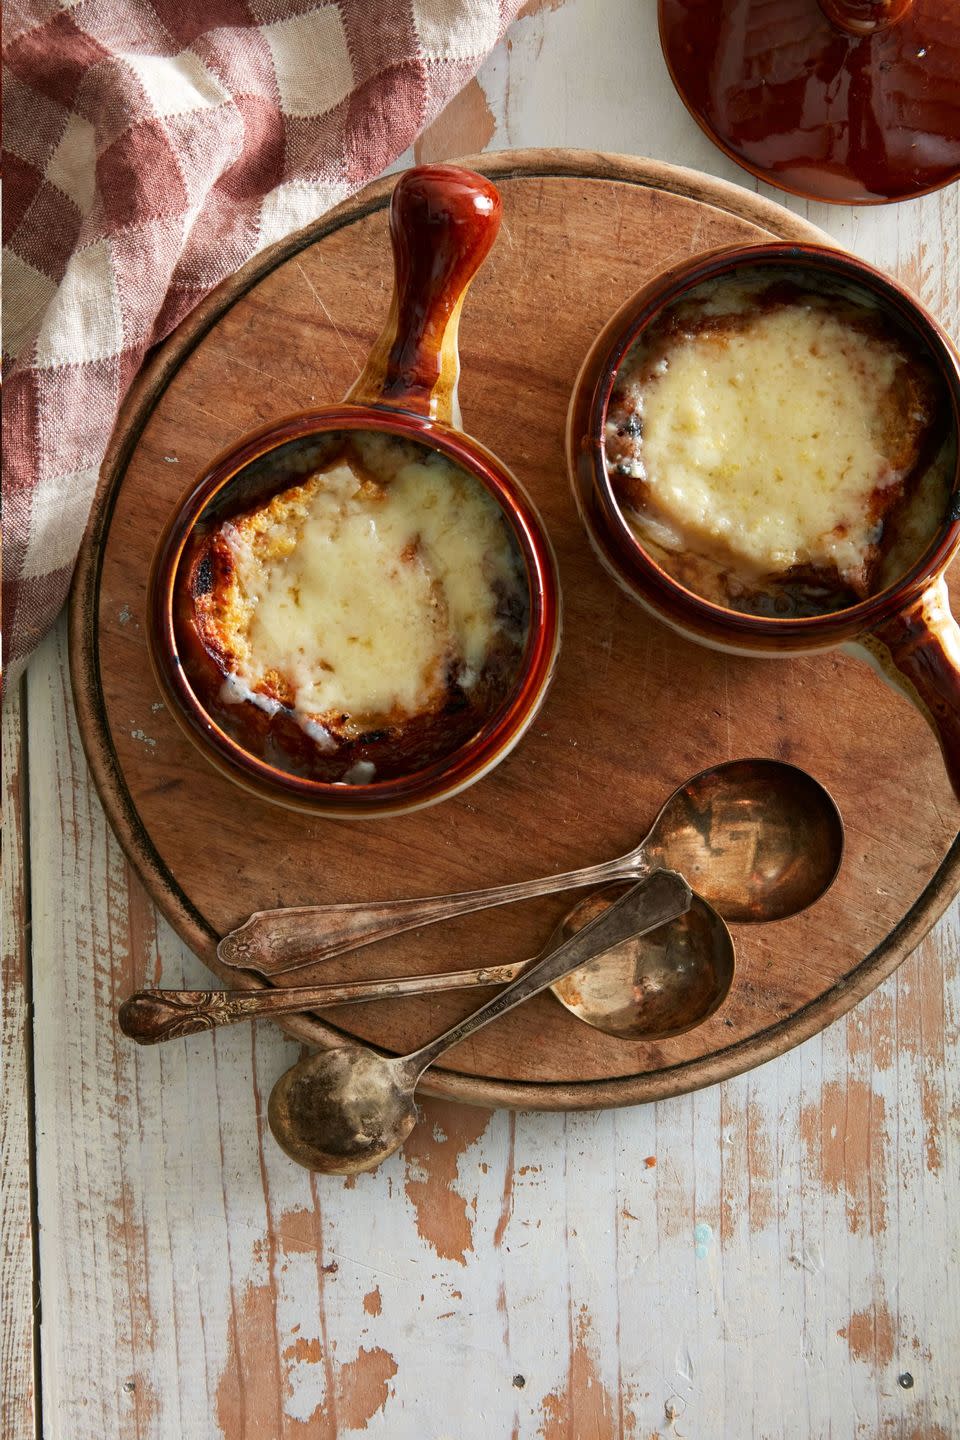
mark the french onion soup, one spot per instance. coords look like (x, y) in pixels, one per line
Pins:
(779, 445)
(360, 612)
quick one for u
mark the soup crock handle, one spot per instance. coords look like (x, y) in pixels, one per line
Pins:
(918, 649)
(443, 221)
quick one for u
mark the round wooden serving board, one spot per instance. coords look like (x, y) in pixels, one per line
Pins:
(633, 710)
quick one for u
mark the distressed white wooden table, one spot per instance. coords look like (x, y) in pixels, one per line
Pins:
(777, 1256)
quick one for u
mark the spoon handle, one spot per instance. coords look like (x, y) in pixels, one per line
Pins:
(273, 942)
(661, 897)
(150, 1016)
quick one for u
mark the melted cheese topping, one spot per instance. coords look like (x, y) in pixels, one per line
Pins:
(363, 599)
(770, 440)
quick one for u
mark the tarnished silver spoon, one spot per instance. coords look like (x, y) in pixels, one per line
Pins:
(758, 839)
(344, 1110)
(648, 987)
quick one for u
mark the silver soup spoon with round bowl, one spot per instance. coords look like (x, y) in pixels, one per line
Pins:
(345, 1110)
(758, 839)
(646, 987)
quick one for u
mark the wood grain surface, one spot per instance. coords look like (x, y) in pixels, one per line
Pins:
(633, 710)
(765, 1258)
(17, 1338)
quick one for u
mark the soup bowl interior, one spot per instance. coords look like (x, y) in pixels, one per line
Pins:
(623, 552)
(271, 460)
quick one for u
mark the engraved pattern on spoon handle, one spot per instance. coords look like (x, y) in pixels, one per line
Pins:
(150, 1016)
(273, 942)
(656, 900)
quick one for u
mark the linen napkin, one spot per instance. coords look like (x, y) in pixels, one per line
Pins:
(150, 148)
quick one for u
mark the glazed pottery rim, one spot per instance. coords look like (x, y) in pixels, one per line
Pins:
(866, 198)
(450, 773)
(644, 570)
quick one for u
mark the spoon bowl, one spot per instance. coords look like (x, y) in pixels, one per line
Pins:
(654, 987)
(342, 1111)
(759, 839)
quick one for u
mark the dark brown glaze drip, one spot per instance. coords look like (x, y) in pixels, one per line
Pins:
(861, 107)
(918, 424)
(397, 746)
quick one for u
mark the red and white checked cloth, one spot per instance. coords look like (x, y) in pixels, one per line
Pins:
(150, 148)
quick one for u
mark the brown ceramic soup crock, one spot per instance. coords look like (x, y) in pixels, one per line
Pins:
(443, 221)
(906, 630)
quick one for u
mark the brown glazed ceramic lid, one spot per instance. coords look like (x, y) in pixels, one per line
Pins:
(851, 101)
